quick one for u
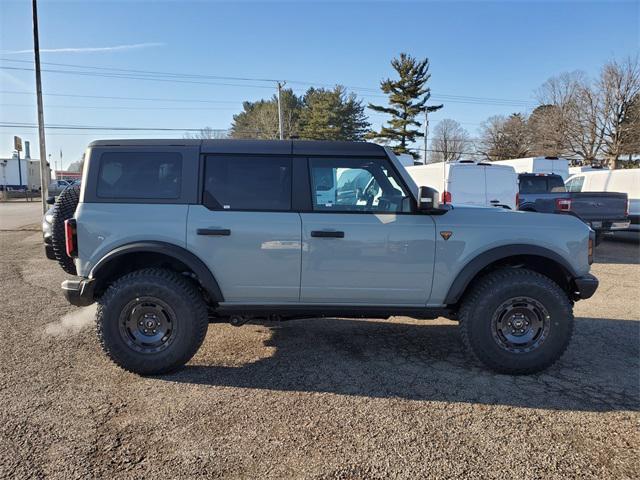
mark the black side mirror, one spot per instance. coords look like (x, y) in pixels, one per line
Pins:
(428, 199)
(51, 199)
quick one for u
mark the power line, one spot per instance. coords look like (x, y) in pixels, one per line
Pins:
(108, 107)
(175, 77)
(134, 77)
(106, 97)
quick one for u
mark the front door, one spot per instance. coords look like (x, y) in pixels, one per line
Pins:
(364, 245)
(245, 230)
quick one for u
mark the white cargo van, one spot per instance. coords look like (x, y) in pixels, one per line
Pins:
(556, 165)
(470, 183)
(624, 181)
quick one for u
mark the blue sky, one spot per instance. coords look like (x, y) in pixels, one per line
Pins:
(496, 50)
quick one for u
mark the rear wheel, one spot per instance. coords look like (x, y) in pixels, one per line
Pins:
(151, 321)
(516, 321)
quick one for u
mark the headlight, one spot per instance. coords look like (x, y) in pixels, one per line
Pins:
(48, 218)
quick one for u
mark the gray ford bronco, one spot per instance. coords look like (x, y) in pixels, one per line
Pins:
(169, 235)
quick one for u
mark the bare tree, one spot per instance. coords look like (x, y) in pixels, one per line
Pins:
(569, 121)
(504, 137)
(207, 133)
(450, 142)
(619, 84)
(548, 137)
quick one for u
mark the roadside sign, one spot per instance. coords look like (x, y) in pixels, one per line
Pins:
(17, 143)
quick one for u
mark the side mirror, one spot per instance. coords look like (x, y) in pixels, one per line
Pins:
(428, 199)
(51, 199)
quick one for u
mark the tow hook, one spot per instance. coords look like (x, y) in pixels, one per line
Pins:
(238, 320)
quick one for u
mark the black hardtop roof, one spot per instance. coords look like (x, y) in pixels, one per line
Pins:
(256, 147)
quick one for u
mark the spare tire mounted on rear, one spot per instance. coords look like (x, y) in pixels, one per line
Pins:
(64, 209)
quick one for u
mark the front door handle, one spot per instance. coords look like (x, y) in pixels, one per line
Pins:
(495, 201)
(221, 232)
(327, 234)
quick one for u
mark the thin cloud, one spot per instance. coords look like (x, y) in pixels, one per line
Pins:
(115, 48)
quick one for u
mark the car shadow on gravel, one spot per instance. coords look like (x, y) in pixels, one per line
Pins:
(378, 359)
(619, 250)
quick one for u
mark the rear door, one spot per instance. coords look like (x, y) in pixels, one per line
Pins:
(245, 229)
(502, 186)
(365, 247)
(466, 184)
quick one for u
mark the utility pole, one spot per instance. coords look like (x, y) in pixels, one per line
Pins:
(280, 120)
(426, 133)
(44, 171)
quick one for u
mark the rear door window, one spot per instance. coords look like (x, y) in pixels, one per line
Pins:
(248, 183)
(140, 175)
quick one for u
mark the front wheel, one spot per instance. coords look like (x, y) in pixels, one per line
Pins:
(151, 321)
(516, 321)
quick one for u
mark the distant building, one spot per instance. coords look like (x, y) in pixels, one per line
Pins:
(66, 175)
(20, 175)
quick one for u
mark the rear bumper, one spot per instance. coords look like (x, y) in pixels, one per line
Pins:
(608, 226)
(78, 292)
(586, 286)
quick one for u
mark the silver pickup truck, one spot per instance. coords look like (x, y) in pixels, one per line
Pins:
(168, 235)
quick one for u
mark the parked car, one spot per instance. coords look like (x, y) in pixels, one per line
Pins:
(171, 233)
(546, 193)
(469, 183)
(57, 186)
(554, 165)
(626, 181)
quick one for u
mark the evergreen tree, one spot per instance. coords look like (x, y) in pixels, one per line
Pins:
(408, 96)
(332, 115)
(260, 119)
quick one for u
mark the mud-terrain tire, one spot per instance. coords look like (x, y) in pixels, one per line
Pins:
(151, 321)
(64, 209)
(516, 321)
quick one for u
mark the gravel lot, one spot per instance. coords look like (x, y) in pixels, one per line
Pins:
(314, 398)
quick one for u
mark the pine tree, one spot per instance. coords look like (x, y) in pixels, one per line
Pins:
(407, 99)
(332, 115)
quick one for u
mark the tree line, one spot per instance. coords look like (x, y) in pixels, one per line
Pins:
(586, 120)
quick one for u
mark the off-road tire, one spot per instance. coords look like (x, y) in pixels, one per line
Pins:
(483, 301)
(64, 209)
(179, 293)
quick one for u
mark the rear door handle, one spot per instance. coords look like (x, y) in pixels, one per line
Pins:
(495, 201)
(221, 232)
(327, 234)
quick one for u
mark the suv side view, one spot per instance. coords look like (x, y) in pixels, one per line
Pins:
(169, 235)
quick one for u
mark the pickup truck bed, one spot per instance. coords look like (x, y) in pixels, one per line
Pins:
(602, 211)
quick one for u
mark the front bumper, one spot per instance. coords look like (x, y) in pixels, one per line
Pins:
(586, 286)
(79, 292)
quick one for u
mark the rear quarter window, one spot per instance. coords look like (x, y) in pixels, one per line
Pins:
(140, 175)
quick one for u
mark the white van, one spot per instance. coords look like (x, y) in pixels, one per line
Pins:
(556, 165)
(470, 183)
(624, 181)
(586, 168)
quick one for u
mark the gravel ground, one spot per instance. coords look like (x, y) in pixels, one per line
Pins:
(314, 398)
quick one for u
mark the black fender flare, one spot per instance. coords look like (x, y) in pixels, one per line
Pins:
(206, 278)
(475, 266)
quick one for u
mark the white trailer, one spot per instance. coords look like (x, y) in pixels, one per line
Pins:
(556, 165)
